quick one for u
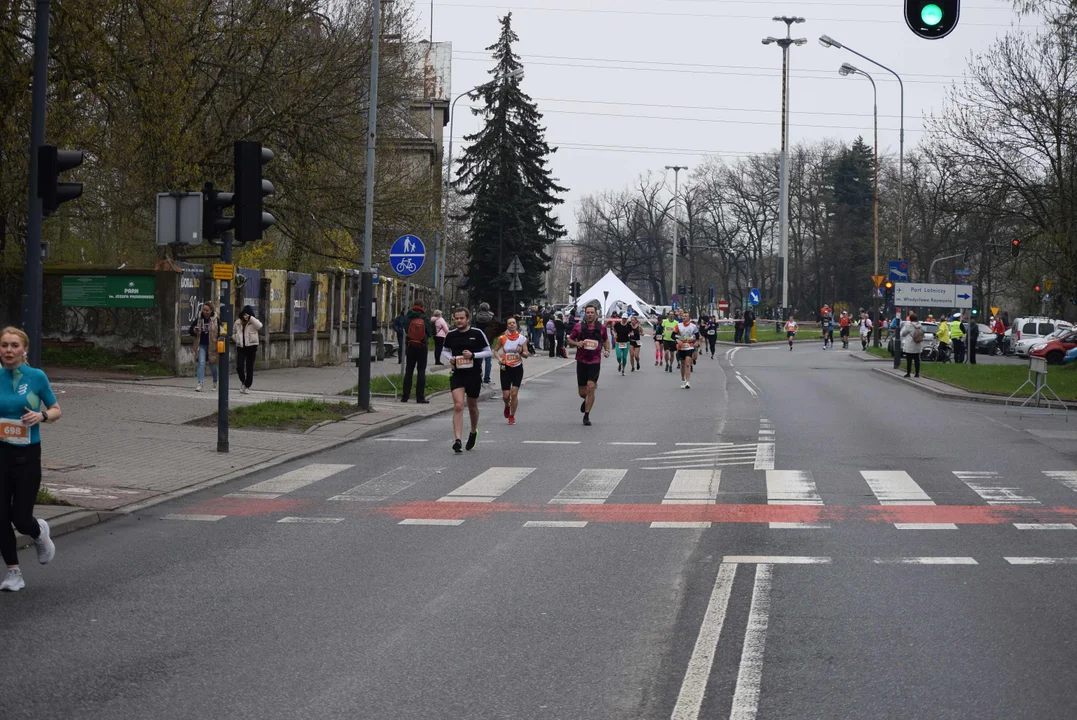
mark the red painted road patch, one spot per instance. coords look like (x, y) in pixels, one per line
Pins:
(244, 507)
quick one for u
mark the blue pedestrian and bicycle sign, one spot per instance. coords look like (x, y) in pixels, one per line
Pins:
(407, 255)
(754, 297)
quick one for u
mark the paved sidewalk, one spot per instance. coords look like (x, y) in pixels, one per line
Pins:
(124, 444)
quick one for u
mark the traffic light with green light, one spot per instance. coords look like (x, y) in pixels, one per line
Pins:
(932, 19)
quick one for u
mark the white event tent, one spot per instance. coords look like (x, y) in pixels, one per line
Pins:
(612, 296)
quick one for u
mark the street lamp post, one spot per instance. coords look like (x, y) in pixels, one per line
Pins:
(827, 41)
(443, 241)
(676, 223)
(845, 70)
(783, 167)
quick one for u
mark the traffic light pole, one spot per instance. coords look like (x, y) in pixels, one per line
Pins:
(366, 283)
(222, 360)
(31, 311)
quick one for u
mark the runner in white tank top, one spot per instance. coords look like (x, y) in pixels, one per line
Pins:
(510, 349)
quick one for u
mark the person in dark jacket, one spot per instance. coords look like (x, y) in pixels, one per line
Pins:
(415, 350)
(559, 329)
(400, 327)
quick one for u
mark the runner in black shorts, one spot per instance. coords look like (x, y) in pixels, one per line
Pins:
(464, 349)
(510, 349)
(592, 343)
(635, 338)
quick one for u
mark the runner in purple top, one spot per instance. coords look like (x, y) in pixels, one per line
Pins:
(592, 343)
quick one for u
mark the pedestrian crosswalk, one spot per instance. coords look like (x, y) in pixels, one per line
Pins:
(662, 498)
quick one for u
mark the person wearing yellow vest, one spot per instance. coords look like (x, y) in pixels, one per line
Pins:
(943, 336)
(510, 349)
(958, 336)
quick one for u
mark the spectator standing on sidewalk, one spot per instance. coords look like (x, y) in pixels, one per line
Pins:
(912, 339)
(441, 329)
(419, 332)
(206, 329)
(26, 401)
(245, 336)
(551, 336)
(483, 320)
(399, 327)
(972, 332)
(559, 328)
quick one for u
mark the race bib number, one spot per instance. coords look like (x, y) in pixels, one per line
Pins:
(463, 363)
(687, 346)
(14, 432)
(590, 344)
(512, 359)
(622, 345)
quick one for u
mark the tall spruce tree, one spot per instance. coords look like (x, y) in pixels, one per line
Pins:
(852, 182)
(506, 184)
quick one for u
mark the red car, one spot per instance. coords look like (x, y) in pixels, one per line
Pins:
(1055, 349)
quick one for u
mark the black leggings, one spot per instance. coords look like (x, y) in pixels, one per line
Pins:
(245, 357)
(20, 479)
(909, 359)
(712, 340)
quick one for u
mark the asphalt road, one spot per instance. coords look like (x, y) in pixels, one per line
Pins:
(793, 537)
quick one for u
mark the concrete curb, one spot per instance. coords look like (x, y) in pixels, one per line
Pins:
(83, 518)
(961, 393)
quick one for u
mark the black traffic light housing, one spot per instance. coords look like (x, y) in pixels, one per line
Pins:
(932, 19)
(1015, 247)
(50, 163)
(682, 247)
(575, 288)
(251, 188)
(214, 222)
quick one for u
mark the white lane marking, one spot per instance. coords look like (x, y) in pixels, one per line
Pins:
(400, 439)
(753, 384)
(429, 521)
(1066, 477)
(680, 524)
(632, 443)
(551, 442)
(700, 464)
(775, 560)
(312, 520)
(253, 496)
(1042, 560)
(798, 526)
(705, 444)
(589, 487)
(387, 484)
(750, 675)
(1045, 526)
(488, 485)
(925, 561)
(925, 526)
(792, 487)
(733, 355)
(747, 387)
(296, 479)
(895, 487)
(693, 487)
(764, 456)
(989, 486)
(198, 518)
(555, 524)
(765, 432)
(696, 676)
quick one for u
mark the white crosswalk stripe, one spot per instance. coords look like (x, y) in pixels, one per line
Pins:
(895, 487)
(1067, 477)
(292, 480)
(589, 487)
(384, 486)
(489, 485)
(693, 487)
(994, 491)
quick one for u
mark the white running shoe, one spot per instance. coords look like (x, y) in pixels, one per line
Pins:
(214, 386)
(198, 387)
(13, 581)
(46, 548)
(683, 384)
(687, 385)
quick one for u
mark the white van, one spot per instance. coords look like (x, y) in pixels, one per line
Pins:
(1028, 331)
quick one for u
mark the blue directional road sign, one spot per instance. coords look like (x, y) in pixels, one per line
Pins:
(899, 271)
(407, 255)
(754, 297)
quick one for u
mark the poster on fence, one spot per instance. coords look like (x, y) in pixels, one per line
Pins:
(300, 302)
(278, 289)
(323, 300)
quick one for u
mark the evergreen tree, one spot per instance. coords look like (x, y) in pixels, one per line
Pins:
(852, 182)
(508, 192)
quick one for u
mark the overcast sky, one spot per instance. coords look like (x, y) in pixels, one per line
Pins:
(630, 86)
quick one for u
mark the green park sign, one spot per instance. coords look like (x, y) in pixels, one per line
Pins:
(121, 291)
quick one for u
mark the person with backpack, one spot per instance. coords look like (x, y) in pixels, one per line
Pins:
(912, 338)
(419, 330)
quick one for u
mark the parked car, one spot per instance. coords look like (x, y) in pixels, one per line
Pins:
(1031, 331)
(1055, 348)
(1070, 356)
(987, 342)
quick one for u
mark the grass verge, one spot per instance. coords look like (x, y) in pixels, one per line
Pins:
(289, 415)
(764, 332)
(1002, 379)
(99, 359)
(392, 384)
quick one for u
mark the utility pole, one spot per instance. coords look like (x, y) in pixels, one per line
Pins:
(676, 223)
(366, 283)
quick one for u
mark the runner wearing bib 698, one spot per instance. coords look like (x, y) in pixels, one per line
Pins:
(592, 343)
(687, 333)
(510, 349)
(26, 401)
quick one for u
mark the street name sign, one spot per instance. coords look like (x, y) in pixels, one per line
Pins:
(407, 255)
(933, 295)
